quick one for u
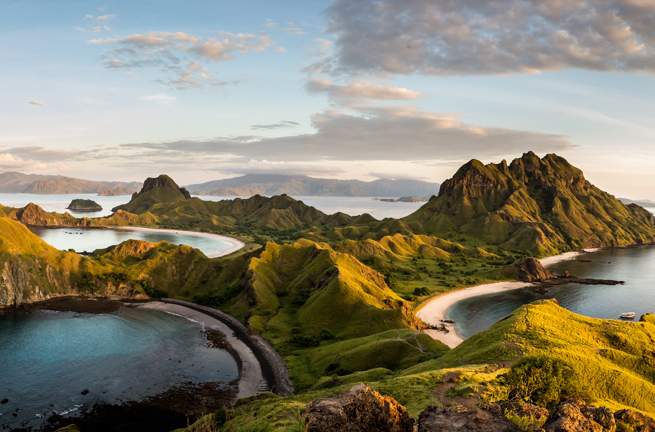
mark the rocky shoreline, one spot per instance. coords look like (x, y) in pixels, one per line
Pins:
(274, 367)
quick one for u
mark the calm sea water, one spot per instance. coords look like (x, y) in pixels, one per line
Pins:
(348, 205)
(90, 239)
(48, 358)
(635, 266)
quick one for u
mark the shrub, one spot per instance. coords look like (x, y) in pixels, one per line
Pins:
(326, 334)
(542, 381)
(423, 291)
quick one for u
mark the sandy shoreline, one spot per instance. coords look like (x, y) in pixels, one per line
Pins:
(435, 310)
(251, 377)
(236, 244)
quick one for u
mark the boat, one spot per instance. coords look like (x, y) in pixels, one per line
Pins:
(628, 315)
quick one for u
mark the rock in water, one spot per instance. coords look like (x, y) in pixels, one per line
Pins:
(358, 410)
(84, 205)
(4, 401)
(486, 418)
(574, 415)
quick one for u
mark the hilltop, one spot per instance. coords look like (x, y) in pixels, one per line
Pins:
(155, 190)
(15, 182)
(277, 184)
(545, 206)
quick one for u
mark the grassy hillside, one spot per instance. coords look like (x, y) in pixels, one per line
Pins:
(605, 362)
(544, 205)
(155, 190)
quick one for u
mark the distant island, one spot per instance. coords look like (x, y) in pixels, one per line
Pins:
(118, 191)
(642, 203)
(297, 185)
(15, 182)
(84, 205)
(409, 199)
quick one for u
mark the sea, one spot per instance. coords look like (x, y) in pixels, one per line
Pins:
(48, 358)
(635, 266)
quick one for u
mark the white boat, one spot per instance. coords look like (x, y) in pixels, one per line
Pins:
(628, 315)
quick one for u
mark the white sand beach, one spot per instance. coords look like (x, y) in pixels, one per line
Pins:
(236, 244)
(251, 373)
(435, 310)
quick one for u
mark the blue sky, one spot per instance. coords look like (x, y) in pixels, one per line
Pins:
(363, 89)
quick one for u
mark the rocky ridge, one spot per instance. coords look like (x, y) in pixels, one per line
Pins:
(364, 410)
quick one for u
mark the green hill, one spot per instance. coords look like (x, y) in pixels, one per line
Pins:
(544, 206)
(155, 190)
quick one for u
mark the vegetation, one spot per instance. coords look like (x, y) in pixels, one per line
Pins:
(335, 295)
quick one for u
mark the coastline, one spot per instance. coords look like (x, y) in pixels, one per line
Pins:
(251, 378)
(434, 311)
(236, 244)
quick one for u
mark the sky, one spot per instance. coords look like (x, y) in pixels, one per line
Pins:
(204, 90)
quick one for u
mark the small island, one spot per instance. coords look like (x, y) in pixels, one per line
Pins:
(84, 205)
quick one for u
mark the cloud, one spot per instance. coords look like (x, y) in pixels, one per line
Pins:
(359, 90)
(33, 102)
(11, 162)
(290, 27)
(63, 168)
(482, 37)
(178, 57)
(280, 125)
(397, 176)
(371, 134)
(160, 98)
(286, 168)
(98, 23)
(44, 154)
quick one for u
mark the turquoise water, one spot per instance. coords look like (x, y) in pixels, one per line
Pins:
(635, 266)
(90, 239)
(48, 358)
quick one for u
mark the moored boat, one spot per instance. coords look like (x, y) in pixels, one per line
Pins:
(628, 315)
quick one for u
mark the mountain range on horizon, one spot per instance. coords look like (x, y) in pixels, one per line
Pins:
(300, 185)
(246, 185)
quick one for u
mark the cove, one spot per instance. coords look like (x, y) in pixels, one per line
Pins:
(48, 358)
(634, 265)
(90, 239)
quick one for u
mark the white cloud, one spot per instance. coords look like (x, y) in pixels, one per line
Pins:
(359, 90)
(11, 162)
(169, 51)
(381, 133)
(482, 37)
(33, 102)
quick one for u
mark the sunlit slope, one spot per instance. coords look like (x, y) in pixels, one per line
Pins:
(613, 361)
(542, 205)
(155, 190)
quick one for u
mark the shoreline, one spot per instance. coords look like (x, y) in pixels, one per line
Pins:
(251, 377)
(236, 244)
(434, 311)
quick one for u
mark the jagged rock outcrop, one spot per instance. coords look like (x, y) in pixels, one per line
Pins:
(486, 418)
(358, 410)
(531, 270)
(574, 415)
(638, 421)
(534, 412)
